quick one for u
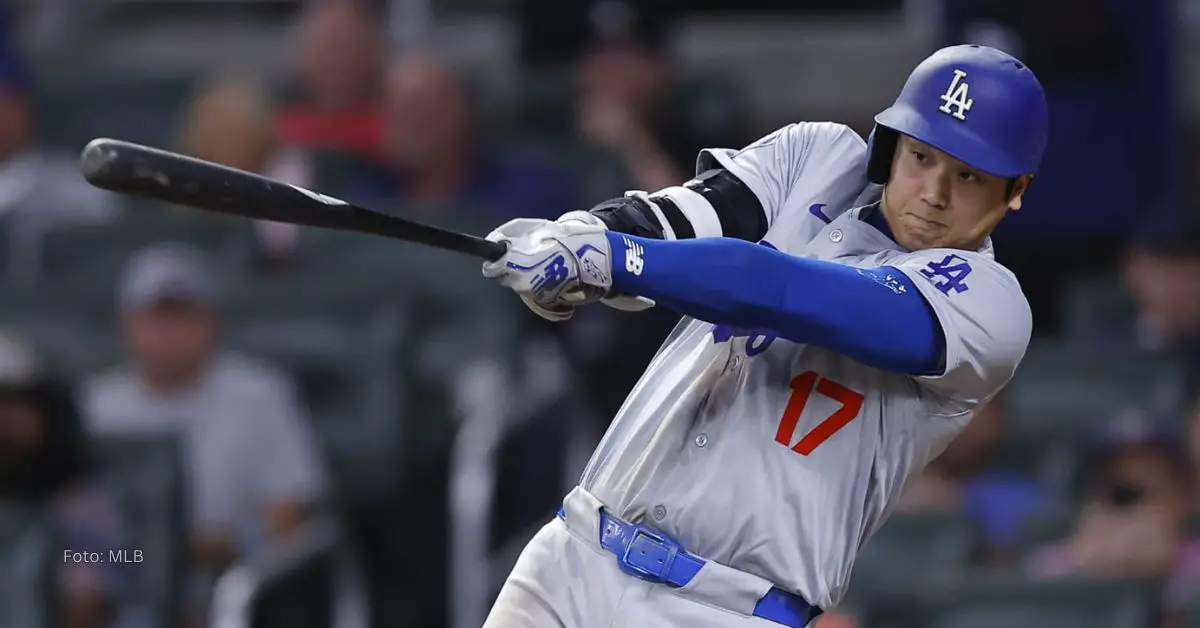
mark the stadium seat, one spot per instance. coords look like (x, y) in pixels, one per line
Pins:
(346, 383)
(347, 297)
(326, 251)
(335, 173)
(70, 346)
(29, 559)
(547, 101)
(1005, 600)
(137, 108)
(596, 172)
(100, 250)
(714, 108)
(1068, 390)
(327, 361)
(1052, 526)
(148, 477)
(455, 322)
(908, 550)
(1051, 461)
(450, 331)
(1099, 311)
(69, 298)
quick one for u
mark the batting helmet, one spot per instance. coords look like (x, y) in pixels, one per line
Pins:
(976, 103)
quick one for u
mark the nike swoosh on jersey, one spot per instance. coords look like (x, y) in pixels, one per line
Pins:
(815, 210)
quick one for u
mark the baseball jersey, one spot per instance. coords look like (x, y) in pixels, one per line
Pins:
(783, 459)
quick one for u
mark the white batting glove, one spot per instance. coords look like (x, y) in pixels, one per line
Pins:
(621, 302)
(554, 266)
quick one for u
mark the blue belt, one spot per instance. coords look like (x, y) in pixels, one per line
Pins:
(650, 555)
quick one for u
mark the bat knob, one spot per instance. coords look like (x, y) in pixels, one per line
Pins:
(96, 161)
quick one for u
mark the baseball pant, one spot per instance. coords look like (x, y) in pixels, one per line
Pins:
(564, 579)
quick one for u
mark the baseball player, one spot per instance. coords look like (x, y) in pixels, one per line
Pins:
(843, 319)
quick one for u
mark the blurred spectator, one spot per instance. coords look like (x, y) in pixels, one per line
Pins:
(1108, 67)
(835, 619)
(335, 103)
(1194, 442)
(630, 98)
(624, 79)
(44, 462)
(965, 479)
(437, 157)
(252, 466)
(1163, 273)
(558, 33)
(39, 190)
(230, 122)
(1138, 484)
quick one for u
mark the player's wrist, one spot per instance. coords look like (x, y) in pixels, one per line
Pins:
(626, 259)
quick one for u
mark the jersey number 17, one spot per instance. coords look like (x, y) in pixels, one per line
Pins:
(803, 385)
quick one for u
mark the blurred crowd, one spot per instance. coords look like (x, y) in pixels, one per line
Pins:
(1086, 470)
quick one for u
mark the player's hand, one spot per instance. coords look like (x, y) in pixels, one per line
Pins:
(554, 266)
(615, 300)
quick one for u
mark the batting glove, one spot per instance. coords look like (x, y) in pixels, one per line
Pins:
(554, 266)
(617, 301)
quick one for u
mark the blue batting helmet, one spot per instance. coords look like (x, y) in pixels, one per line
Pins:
(975, 103)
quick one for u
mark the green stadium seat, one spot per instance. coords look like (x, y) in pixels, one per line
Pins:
(68, 344)
(351, 297)
(344, 375)
(355, 255)
(1193, 615)
(597, 173)
(546, 103)
(336, 174)
(99, 251)
(29, 559)
(1004, 601)
(75, 298)
(329, 362)
(1068, 390)
(8, 264)
(908, 550)
(1099, 310)
(714, 108)
(545, 109)
(147, 476)
(1052, 526)
(453, 326)
(139, 108)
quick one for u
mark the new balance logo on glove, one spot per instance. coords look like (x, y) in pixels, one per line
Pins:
(555, 273)
(633, 257)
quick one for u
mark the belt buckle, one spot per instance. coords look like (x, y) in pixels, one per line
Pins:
(648, 556)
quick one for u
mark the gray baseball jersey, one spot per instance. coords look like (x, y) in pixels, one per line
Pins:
(782, 459)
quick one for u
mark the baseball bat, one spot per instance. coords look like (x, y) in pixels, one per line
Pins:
(161, 175)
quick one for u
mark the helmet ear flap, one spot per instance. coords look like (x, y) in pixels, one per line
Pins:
(881, 149)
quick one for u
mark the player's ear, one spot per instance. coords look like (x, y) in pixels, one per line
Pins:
(1016, 191)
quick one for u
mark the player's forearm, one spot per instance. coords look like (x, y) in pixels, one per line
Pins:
(715, 203)
(874, 316)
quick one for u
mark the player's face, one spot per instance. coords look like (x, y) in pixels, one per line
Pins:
(936, 201)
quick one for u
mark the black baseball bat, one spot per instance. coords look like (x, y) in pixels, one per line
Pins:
(161, 175)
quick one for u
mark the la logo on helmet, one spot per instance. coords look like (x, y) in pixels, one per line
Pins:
(957, 97)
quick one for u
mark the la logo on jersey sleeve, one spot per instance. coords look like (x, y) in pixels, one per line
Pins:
(949, 274)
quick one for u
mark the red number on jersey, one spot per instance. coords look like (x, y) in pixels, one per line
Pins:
(802, 387)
